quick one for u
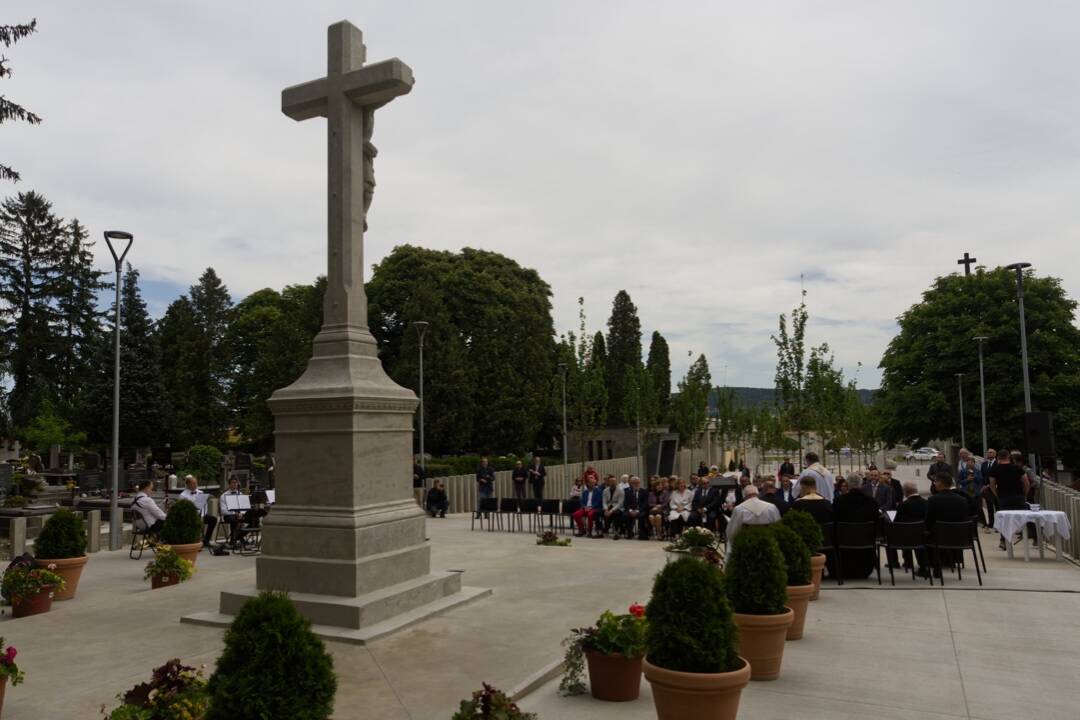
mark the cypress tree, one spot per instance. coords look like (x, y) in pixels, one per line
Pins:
(9, 35)
(77, 321)
(658, 366)
(182, 352)
(623, 354)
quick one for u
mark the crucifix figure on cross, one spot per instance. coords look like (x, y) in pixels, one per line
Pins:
(967, 261)
(347, 97)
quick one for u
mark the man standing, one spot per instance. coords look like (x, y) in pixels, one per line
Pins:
(786, 468)
(613, 507)
(199, 499)
(988, 498)
(537, 476)
(485, 482)
(938, 466)
(879, 490)
(751, 511)
(1009, 485)
(636, 509)
(822, 477)
(519, 476)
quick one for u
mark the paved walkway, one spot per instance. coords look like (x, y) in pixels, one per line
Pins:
(1004, 651)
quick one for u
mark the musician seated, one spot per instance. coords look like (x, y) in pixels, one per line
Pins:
(145, 513)
(437, 502)
(231, 515)
(200, 499)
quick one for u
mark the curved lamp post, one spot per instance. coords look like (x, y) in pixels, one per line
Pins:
(422, 326)
(114, 507)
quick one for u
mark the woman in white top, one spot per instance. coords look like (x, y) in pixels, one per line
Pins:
(680, 506)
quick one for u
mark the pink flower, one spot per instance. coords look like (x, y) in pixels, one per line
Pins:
(11, 653)
(637, 610)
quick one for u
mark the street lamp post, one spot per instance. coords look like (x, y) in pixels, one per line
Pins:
(421, 327)
(960, 386)
(114, 507)
(982, 394)
(562, 371)
(1019, 268)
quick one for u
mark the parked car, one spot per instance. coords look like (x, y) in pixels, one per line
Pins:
(923, 453)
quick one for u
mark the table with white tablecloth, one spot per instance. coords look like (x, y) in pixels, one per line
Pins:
(1048, 523)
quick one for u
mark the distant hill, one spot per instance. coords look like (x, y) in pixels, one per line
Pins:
(759, 397)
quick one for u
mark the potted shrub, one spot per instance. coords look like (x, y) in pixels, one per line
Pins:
(691, 659)
(167, 568)
(8, 670)
(183, 529)
(696, 542)
(489, 703)
(756, 583)
(29, 589)
(799, 585)
(174, 691)
(613, 649)
(273, 665)
(62, 544)
(804, 524)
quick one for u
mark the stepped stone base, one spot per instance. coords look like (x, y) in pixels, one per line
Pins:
(361, 619)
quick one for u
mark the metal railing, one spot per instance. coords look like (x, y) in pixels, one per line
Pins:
(1055, 496)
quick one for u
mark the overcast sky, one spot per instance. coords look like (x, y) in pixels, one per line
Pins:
(700, 155)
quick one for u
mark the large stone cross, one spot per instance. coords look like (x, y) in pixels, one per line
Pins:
(347, 97)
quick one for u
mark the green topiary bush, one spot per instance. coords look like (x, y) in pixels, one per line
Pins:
(796, 554)
(64, 536)
(183, 524)
(273, 666)
(755, 575)
(806, 527)
(690, 623)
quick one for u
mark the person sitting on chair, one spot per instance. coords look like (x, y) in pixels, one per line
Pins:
(614, 498)
(199, 499)
(592, 501)
(145, 513)
(658, 505)
(437, 502)
(705, 507)
(679, 505)
(912, 509)
(636, 509)
(232, 518)
(945, 505)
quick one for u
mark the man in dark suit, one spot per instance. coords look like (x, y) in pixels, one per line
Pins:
(537, 475)
(912, 509)
(770, 495)
(855, 506)
(786, 468)
(705, 506)
(938, 466)
(946, 506)
(988, 497)
(636, 509)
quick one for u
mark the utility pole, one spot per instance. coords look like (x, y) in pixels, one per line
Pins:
(115, 518)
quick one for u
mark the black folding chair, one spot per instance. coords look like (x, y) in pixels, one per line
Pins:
(856, 536)
(510, 507)
(549, 510)
(569, 507)
(978, 543)
(486, 510)
(141, 538)
(910, 536)
(956, 536)
(530, 508)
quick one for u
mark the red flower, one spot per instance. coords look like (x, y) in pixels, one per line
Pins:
(637, 610)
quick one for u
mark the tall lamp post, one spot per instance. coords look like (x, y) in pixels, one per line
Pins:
(1019, 268)
(960, 386)
(982, 393)
(114, 507)
(562, 371)
(421, 327)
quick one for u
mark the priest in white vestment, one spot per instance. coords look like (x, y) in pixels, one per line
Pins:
(751, 511)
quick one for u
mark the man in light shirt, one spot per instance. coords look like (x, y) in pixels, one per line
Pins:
(145, 513)
(824, 479)
(192, 492)
(751, 511)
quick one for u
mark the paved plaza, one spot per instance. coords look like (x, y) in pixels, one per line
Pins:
(1002, 651)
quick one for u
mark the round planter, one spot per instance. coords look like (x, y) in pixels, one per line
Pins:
(798, 599)
(68, 568)
(700, 696)
(761, 642)
(613, 678)
(817, 566)
(160, 581)
(33, 605)
(189, 552)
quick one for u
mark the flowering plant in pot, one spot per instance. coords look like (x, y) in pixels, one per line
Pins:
(8, 669)
(62, 546)
(691, 659)
(489, 703)
(697, 542)
(182, 529)
(29, 589)
(799, 584)
(613, 648)
(551, 539)
(756, 583)
(174, 691)
(804, 524)
(167, 568)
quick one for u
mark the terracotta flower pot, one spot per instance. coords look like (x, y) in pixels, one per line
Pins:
(68, 568)
(817, 566)
(160, 581)
(34, 604)
(700, 696)
(189, 552)
(798, 599)
(613, 677)
(761, 642)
